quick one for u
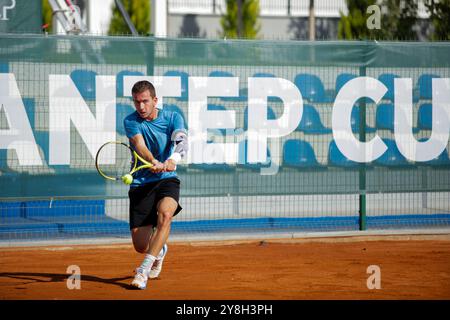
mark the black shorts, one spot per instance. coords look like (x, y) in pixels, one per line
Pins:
(144, 200)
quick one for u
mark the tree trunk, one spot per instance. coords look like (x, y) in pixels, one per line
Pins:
(312, 21)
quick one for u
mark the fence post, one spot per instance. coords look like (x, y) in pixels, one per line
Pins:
(362, 166)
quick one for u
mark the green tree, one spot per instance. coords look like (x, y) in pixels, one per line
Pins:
(47, 16)
(353, 25)
(139, 12)
(440, 18)
(246, 27)
(398, 21)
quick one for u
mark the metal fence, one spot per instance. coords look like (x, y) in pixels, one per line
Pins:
(319, 107)
(324, 8)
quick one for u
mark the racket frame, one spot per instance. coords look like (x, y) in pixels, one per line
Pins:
(136, 157)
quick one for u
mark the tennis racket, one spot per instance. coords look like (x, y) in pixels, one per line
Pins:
(117, 161)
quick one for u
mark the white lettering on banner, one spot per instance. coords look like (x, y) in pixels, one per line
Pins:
(4, 15)
(201, 119)
(404, 138)
(259, 127)
(346, 142)
(67, 106)
(164, 86)
(19, 135)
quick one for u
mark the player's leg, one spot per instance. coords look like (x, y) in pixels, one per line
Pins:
(166, 209)
(158, 208)
(165, 213)
(151, 243)
(144, 238)
(141, 237)
(163, 250)
(142, 220)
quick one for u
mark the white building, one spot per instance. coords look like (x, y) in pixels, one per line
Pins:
(280, 19)
(201, 18)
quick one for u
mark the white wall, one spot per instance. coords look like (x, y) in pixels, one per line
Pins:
(99, 15)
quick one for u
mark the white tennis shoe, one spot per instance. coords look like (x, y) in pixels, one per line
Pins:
(156, 268)
(140, 279)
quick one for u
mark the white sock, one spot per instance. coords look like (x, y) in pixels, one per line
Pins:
(148, 261)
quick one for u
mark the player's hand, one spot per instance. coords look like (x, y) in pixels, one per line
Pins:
(157, 166)
(170, 165)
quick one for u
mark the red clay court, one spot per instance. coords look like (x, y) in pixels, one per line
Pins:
(412, 267)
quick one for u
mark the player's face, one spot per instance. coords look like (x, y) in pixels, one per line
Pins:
(145, 104)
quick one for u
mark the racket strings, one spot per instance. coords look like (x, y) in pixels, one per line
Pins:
(114, 160)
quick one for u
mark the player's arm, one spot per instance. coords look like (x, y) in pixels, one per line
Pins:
(180, 141)
(137, 141)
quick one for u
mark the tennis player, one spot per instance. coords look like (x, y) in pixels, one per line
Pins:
(160, 137)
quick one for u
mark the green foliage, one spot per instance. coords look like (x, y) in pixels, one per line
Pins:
(353, 26)
(396, 21)
(139, 12)
(440, 18)
(47, 15)
(250, 23)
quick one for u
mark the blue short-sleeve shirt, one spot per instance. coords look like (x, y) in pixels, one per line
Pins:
(158, 139)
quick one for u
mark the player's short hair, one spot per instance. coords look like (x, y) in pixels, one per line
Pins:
(142, 86)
